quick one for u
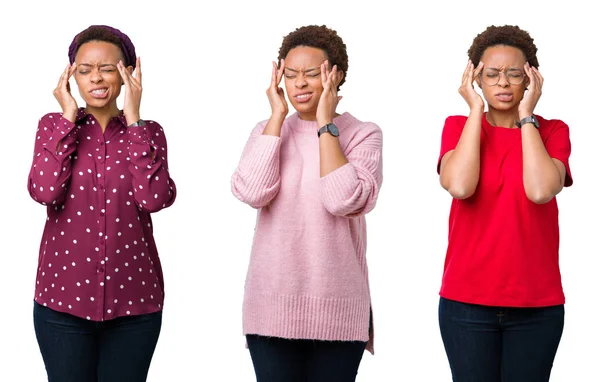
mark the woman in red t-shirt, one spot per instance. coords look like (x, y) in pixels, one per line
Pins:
(501, 310)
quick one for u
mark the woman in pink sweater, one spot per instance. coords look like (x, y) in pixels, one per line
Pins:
(312, 176)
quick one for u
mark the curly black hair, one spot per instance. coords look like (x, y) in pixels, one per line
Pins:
(319, 37)
(510, 35)
(97, 33)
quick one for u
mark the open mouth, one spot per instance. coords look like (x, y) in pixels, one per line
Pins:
(304, 97)
(99, 93)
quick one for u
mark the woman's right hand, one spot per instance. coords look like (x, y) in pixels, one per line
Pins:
(466, 89)
(63, 95)
(279, 106)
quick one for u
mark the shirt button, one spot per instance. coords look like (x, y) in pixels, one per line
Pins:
(101, 143)
(102, 241)
(101, 213)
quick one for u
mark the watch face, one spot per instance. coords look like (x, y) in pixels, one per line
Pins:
(334, 130)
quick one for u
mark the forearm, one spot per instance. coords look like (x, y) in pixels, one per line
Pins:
(459, 174)
(274, 125)
(331, 155)
(542, 177)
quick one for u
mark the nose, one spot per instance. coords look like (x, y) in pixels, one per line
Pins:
(300, 81)
(95, 75)
(503, 80)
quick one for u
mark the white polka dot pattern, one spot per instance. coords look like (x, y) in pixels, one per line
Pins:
(98, 253)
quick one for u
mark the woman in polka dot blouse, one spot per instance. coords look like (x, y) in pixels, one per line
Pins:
(100, 172)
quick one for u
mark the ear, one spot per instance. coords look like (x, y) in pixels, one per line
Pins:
(341, 75)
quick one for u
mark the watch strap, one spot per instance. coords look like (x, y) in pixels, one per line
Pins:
(324, 129)
(530, 119)
(139, 122)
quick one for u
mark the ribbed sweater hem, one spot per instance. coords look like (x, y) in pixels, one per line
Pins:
(306, 317)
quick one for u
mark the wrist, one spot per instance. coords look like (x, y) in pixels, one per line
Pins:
(70, 115)
(137, 123)
(323, 121)
(528, 120)
(476, 112)
(133, 119)
(277, 118)
(525, 113)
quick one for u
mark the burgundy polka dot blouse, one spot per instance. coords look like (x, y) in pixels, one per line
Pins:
(98, 259)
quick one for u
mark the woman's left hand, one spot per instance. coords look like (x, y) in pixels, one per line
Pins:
(329, 98)
(133, 91)
(531, 98)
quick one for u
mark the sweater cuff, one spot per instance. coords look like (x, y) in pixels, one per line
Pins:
(340, 184)
(260, 158)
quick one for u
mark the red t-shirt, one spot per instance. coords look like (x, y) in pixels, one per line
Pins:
(503, 248)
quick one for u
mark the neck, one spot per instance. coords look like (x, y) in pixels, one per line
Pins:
(502, 118)
(104, 114)
(307, 116)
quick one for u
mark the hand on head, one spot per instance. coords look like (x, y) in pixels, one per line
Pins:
(275, 93)
(63, 95)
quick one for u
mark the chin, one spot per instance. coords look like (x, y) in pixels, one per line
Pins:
(98, 103)
(304, 108)
(502, 106)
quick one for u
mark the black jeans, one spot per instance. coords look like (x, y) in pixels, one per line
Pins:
(496, 344)
(78, 350)
(284, 360)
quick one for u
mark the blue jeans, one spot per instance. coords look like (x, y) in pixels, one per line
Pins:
(78, 350)
(284, 360)
(497, 344)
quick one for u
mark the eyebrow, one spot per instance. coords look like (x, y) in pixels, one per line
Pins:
(100, 66)
(305, 71)
(509, 69)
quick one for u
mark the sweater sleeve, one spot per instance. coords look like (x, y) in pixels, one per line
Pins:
(256, 180)
(352, 189)
(55, 144)
(153, 187)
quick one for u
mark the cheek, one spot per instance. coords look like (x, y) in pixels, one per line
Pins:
(520, 91)
(316, 85)
(116, 82)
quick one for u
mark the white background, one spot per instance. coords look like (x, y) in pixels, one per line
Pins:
(206, 70)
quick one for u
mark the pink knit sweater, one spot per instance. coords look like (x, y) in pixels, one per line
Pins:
(308, 275)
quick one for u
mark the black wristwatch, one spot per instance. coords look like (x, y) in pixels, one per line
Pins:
(531, 119)
(140, 122)
(329, 128)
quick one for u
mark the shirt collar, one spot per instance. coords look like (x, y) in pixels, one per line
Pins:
(81, 115)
